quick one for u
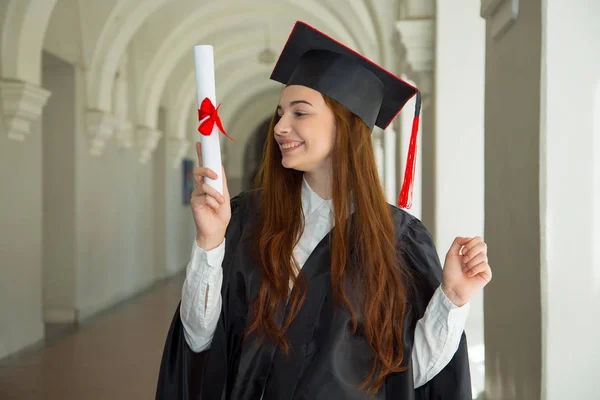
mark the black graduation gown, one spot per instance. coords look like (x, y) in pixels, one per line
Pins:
(326, 361)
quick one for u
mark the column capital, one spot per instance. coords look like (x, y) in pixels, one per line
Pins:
(22, 104)
(100, 127)
(500, 14)
(417, 9)
(147, 140)
(124, 134)
(417, 38)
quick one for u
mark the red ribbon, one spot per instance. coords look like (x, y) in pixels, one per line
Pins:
(207, 109)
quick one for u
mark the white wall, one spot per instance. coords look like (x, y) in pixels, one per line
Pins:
(459, 205)
(20, 241)
(58, 195)
(570, 173)
(114, 203)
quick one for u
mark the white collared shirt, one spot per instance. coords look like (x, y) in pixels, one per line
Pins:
(437, 334)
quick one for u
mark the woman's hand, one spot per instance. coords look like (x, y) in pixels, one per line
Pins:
(466, 269)
(211, 210)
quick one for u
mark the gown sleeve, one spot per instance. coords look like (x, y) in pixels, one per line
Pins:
(181, 369)
(453, 382)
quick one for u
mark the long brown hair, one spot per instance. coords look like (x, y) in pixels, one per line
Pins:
(380, 274)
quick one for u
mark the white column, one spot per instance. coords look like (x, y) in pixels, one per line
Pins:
(459, 144)
(570, 199)
(514, 343)
(377, 140)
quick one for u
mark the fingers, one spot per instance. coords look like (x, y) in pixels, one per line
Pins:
(470, 251)
(206, 200)
(458, 243)
(212, 192)
(472, 243)
(200, 173)
(212, 203)
(483, 270)
(478, 259)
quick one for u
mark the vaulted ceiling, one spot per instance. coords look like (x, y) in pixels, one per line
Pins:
(150, 42)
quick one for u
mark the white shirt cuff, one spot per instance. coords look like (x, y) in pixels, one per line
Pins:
(213, 258)
(445, 309)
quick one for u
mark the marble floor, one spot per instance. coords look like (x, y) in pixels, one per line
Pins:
(114, 356)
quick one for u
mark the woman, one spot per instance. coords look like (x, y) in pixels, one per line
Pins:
(327, 292)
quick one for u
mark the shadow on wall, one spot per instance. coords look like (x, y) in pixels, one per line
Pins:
(253, 153)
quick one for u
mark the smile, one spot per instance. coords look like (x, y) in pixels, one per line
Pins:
(287, 147)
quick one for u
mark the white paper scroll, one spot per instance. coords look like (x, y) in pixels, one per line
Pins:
(204, 63)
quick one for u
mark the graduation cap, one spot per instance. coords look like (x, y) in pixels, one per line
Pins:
(312, 59)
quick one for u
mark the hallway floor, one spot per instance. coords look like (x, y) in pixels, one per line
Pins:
(114, 356)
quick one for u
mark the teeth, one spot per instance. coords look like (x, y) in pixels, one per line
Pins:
(290, 145)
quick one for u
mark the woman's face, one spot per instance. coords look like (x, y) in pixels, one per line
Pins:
(306, 130)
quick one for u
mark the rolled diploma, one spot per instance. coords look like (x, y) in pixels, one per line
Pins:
(204, 64)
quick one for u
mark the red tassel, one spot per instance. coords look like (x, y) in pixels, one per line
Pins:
(405, 197)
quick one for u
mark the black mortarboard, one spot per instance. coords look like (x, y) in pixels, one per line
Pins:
(312, 59)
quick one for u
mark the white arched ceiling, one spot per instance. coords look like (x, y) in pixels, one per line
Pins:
(23, 26)
(361, 24)
(226, 20)
(228, 49)
(125, 19)
(252, 91)
(383, 42)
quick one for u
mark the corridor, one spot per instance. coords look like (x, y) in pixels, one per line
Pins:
(115, 355)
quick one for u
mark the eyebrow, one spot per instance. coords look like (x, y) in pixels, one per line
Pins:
(293, 103)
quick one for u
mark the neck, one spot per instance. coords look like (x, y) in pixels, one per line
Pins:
(320, 183)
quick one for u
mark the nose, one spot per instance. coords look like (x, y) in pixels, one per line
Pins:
(281, 127)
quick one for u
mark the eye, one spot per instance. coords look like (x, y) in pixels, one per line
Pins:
(299, 114)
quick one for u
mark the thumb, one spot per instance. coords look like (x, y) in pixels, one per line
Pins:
(457, 244)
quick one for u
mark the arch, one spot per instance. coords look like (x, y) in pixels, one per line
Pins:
(123, 22)
(24, 24)
(236, 93)
(105, 60)
(230, 58)
(369, 7)
(180, 41)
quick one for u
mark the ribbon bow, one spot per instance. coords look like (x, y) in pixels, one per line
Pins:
(207, 109)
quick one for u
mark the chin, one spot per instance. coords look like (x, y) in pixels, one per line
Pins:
(290, 164)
